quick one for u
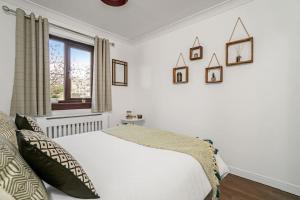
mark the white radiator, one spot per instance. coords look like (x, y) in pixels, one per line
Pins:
(61, 126)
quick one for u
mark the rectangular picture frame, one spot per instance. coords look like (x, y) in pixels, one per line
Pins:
(198, 55)
(176, 78)
(218, 79)
(229, 44)
(115, 71)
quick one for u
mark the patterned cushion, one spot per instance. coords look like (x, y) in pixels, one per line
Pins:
(7, 128)
(55, 165)
(19, 121)
(17, 180)
(27, 123)
(33, 124)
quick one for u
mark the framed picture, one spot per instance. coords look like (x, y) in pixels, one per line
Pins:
(214, 74)
(239, 52)
(196, 53)
(180, 75)
(119, 73)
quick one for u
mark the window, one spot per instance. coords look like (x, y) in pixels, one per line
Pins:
(71, 65)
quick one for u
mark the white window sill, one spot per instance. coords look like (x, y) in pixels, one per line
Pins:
(58, 113)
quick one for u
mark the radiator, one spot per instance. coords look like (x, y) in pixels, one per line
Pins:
(62, 126)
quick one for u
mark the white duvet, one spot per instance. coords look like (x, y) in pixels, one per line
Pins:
(121, 170)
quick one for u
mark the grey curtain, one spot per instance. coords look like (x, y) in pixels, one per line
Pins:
(31, 92)
(101, 97)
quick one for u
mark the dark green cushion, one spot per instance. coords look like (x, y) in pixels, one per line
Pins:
(27, 123)
(20, 121)
(55, 165)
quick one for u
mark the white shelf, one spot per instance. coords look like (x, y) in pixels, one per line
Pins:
(131, 121)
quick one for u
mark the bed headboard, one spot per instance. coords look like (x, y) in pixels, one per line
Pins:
(60, 126)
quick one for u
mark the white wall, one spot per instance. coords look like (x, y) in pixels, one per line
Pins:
(122, 96)
(253, 116)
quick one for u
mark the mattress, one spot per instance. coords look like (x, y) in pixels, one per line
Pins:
(122, 170)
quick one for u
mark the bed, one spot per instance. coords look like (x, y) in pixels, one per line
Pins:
(122, 170)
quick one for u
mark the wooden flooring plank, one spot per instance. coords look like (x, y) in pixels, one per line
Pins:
(237, 188)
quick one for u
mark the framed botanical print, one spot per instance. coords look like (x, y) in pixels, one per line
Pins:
(119, 73)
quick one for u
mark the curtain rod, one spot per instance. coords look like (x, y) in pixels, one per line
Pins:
(11, 11)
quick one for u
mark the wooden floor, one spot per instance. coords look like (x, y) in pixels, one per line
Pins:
(237, 188)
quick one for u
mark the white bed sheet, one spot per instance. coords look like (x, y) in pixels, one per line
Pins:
(122, 170)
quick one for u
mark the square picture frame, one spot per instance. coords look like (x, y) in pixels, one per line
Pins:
(214, 74)
(119, 73)
(181, 75)
(240, 52)
(196, 53)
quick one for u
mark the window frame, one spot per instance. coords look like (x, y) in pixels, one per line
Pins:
(68, 102)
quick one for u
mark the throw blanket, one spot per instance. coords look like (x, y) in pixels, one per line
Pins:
(201, 150)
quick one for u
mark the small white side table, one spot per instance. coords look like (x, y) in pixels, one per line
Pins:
(133, 121)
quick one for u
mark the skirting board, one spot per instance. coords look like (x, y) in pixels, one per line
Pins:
(284, 186)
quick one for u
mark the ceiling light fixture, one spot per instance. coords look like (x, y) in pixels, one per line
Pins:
(115, 3)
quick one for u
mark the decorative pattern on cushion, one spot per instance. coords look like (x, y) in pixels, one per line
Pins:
(33, 126)
(27, 123)
(7, 119)
(7, 128)
(17, 179)
(55, 165)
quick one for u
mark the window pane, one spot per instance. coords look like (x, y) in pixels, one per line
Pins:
(57, 66)
(80, 73)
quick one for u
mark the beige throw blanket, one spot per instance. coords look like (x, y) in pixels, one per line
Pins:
(201, 150)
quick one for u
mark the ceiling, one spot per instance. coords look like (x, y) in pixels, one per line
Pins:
(135, 19)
